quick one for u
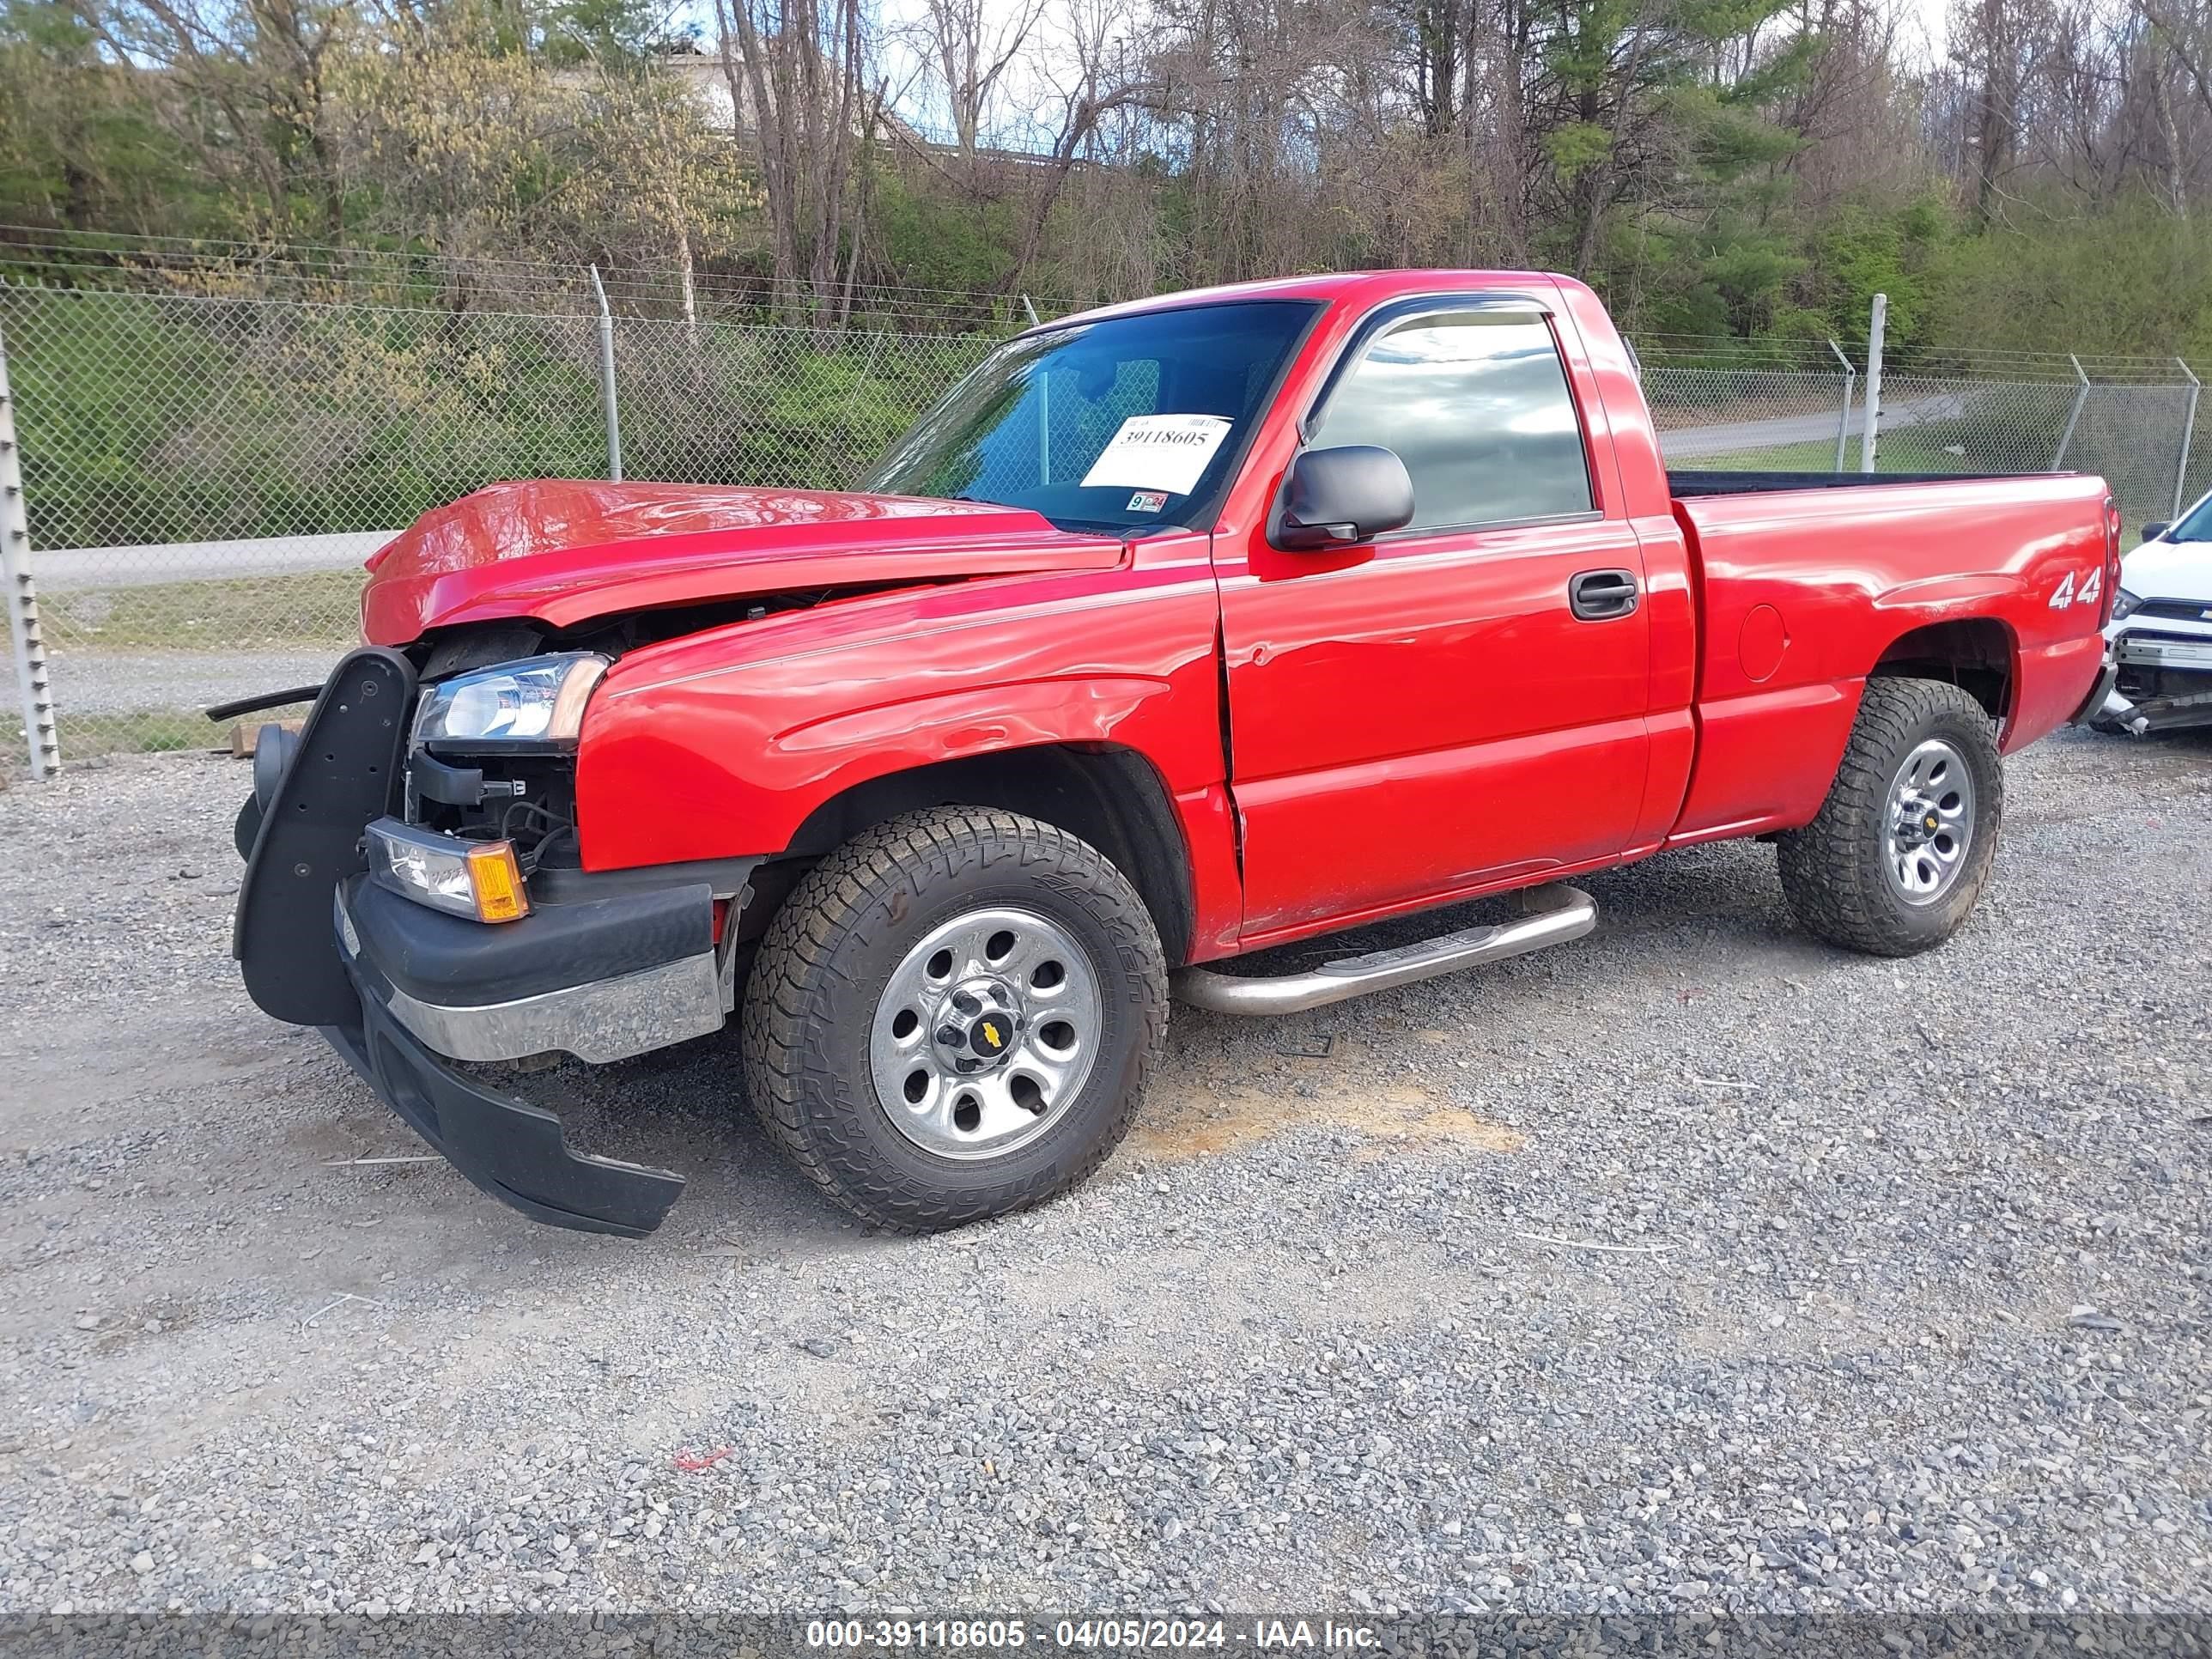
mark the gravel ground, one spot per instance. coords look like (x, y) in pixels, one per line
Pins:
(1692, 1265)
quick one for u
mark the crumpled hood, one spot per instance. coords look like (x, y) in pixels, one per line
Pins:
(2169, 570)
(565, 550)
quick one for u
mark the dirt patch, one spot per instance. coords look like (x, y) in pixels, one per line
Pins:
(1212, 1110)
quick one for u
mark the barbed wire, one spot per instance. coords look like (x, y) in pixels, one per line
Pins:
(508, 284)
(491, 283)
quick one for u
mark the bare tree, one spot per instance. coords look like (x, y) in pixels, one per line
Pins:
(970, 46)
(1104, 91)
(1989, 46)
(250, 87)
(798, 72)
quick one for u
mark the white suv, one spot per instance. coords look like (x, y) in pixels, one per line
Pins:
(2160, 633)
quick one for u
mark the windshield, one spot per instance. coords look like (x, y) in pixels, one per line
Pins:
(2195, 525)
(1115, 425)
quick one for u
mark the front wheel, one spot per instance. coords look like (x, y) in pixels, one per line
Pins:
(1903, 844)
(953, 1017)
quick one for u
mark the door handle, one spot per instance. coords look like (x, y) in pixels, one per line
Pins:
(1601, 595)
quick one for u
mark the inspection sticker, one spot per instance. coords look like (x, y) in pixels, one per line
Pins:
(1158, 452)
(1147, 500)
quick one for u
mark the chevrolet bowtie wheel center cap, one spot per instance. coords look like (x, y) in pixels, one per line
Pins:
(977, 1025)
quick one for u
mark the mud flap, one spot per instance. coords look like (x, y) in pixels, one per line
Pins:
(346, 771)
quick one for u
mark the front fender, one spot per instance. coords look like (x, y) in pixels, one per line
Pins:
(722, 745)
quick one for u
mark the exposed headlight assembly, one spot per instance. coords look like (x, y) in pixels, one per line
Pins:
(479, 879)
(532, 706)
(2125, 604)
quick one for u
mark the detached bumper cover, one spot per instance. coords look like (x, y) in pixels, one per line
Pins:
(318, 945)
(507, 1148)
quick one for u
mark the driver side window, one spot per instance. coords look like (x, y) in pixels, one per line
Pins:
(1476, 405)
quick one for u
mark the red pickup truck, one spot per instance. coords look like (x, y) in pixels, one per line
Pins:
(1177, 630)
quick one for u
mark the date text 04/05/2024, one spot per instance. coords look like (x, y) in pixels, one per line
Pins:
(1088, 1635)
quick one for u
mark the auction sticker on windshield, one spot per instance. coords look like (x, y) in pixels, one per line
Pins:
(1158, 452)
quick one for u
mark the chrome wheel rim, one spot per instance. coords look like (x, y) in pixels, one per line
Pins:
(986, 1032)
(1931, 825)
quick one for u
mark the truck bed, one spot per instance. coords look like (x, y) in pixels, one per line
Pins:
(1806, 585)
(1691, 483)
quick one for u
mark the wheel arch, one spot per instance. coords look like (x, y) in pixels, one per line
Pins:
(1978, 654)
(1110, 795)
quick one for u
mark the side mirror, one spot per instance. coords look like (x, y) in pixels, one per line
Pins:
(2151, 533)
(1337, 497)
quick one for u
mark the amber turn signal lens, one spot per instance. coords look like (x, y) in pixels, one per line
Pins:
(496, 881)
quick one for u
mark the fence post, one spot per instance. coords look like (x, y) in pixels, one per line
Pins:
(607, 378)
(28, 642)
(2073, 415)
(1844, 420)
(1872, 428)
(2188, 435)
(1031, 309)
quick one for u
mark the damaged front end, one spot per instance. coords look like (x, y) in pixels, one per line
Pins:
(425, 910)
(2159, 667)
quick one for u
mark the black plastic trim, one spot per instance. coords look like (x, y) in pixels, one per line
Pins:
(507, 1148)
(221, 711)
(1603, 595)
(456, 962)
(451, 785)
(345, 770)
(561, 884)
(468, 748)
(2107, 678)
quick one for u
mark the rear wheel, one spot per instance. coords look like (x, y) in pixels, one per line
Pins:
(953, 1016)
(1903, 844)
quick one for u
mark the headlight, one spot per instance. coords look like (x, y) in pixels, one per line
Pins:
(2125, 604)
(478, 880)
(533, 705)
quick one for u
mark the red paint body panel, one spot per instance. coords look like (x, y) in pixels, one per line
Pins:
(724, 742)
(1410, 723)
(2051, 683)
(1850, 573)
(1437, 685)
(564, 551)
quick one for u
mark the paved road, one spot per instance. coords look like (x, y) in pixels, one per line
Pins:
(62, 569)
(1690, 443)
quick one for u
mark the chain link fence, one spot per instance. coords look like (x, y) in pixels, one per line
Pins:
(202, 477)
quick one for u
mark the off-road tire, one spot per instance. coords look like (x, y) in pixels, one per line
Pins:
(1832, 869)
(811, 999)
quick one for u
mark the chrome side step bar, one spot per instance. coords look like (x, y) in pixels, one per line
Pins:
(1554, 916)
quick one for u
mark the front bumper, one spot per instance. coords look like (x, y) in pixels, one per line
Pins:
(2158, 678)
(405, 992)
(507, 1148)
(602, 981)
